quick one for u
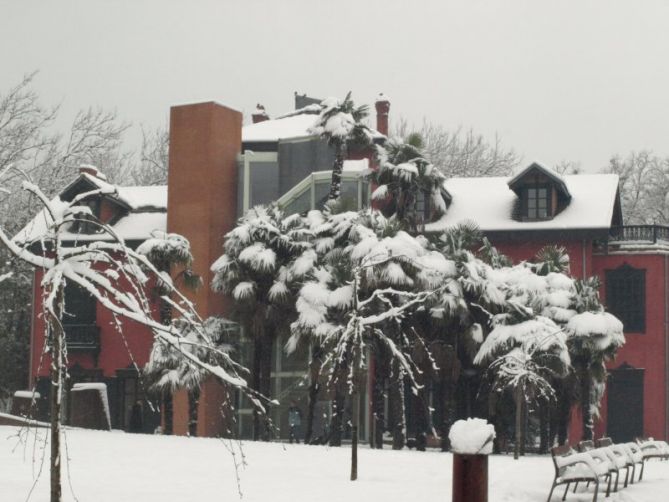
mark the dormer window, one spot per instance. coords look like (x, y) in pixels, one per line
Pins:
(537, 202)
(542, 193)
(85, 223)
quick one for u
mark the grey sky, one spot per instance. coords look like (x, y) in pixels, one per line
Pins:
(574, 80)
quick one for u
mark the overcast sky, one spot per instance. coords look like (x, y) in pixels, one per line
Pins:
(568, 80)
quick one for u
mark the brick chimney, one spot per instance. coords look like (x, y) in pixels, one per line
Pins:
(382, 109)
(205, 139)
(259, 115)
(91, 171)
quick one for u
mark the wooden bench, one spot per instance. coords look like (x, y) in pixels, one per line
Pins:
(572, 467)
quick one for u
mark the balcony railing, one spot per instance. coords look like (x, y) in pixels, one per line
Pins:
(82, 338)
(639, 233)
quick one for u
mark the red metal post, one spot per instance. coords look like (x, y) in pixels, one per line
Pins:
(470, 478)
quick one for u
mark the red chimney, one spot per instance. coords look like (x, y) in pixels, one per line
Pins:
(91, 171)
(259, 115)
(382, 109)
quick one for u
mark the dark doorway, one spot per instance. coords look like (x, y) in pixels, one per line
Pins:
(625, 404)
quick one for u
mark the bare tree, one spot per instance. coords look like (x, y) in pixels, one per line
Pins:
(568, 167)
(644, 184)
(29, 141)
(460, 153)
(153, 159)
(116, 276)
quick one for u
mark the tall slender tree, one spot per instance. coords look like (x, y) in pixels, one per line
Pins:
(340, 124)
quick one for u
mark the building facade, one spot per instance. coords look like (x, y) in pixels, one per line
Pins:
(219, 168)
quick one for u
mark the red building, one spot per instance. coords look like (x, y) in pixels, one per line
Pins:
(219, 168)
(96, 350)
(582, 213)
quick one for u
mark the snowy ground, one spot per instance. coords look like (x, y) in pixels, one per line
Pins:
(113, 466)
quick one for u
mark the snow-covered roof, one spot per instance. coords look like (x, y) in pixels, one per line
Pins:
(153, 197)
(557, 179)
(135, 197)
(489, 202)
(293, 125)
(147, 211)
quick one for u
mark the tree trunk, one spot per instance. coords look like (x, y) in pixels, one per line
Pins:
(525, 427)
(168, 410)
(355, 425)
(519, 422)
(586, 411)
(563, 414)
(448, 395)
(58, 341)
(421, 409)
(337, 422)
(398, 409)
(544, 427)
(314, 388)
(193, 401)
(266, 382)
(255, 383)
(355, 410)
(378, 404)
(337, 168)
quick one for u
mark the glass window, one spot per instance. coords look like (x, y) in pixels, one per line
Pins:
(301, 203)
(322, 191)
(79, 306)
(264, 182)
(626, 297)
(536, 203)
(349, 195)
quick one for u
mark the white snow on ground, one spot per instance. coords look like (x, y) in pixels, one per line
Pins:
(113, 466)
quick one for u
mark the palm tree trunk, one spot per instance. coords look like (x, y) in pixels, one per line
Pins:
(544, 427)
(266, 380)
(586, 411)
(314, 388)
(168, 410)
(337, 169)
(255, 383)
(448, 413)
(398, 409)
(519, 422)
(422, 412)
(355, 411)
(193, 402)
(378, 404)
(337, 422)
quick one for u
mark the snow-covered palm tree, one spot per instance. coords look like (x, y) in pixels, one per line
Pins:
(168, 253)
(593, 336)
(340, 124)
(265, 260)
(409, 187)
